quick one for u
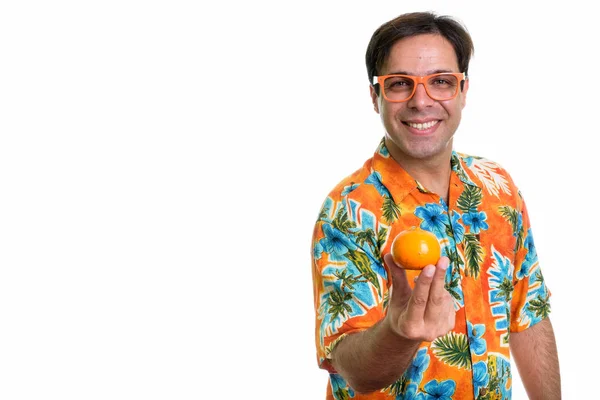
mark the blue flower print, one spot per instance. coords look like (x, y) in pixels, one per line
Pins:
(476, 221)
(531, 257)
(480, 376)
(442, 390)
(383, 150)
(318, 250)
(335, 243)
(375, 180)
(339, 386)
(457, 229)
(419, 365)
(433, 218)
(476, 342)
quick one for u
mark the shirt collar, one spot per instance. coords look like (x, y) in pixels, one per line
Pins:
(399, 182)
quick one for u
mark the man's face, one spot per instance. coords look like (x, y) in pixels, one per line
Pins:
(420, 128)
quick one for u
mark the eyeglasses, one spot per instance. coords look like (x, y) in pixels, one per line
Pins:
(400, 88)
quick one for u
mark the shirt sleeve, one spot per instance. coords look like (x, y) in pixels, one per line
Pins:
(348, 286)
(531, 298)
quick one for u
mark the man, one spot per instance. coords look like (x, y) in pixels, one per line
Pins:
(448, 331)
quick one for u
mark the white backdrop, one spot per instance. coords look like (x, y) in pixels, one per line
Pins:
(162, 165)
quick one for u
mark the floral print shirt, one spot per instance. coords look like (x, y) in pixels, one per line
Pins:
(494, 276)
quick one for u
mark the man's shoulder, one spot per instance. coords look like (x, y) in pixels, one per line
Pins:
(472, 158)
(489, 175)
(475, 162)
(351, 182)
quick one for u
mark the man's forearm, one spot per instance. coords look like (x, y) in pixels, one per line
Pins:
(374, 358)
(534, 351)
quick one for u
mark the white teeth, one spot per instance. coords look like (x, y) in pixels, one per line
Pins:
(420, 127)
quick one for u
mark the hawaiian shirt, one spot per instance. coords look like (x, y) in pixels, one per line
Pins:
(494, 276)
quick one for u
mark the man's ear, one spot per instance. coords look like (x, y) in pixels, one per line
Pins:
(374, 98)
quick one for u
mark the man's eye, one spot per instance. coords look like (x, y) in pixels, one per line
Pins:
(398, 84)
(443, 81)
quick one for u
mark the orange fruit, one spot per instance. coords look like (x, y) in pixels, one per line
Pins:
(415, 248)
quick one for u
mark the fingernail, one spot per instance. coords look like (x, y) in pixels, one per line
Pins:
(444, 263)
(428, 271)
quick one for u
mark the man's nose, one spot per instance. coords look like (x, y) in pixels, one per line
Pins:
(420, 98)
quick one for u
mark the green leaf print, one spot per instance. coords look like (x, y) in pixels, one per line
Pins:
(473, 255)
(381, 238)
(324, 212)
(454, 257)
(396, 388)
(506, 337)
(453, 349)
(469, 199)
(512, 216)
(348, 280)
(538, 277)
(391, 210)
(386, 300)
(498, 377)
(456, 166)
(366, 237)
(540, 306)
(505, 289)
(342, 394)
(342, 223)
(362, 263)
(452, 287)
(337, 303)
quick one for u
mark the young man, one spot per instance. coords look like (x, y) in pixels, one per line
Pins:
(447, 331)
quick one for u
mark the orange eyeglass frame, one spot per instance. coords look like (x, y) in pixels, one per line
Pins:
(461, 76)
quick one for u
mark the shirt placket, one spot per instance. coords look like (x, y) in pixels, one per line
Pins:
(472, 291)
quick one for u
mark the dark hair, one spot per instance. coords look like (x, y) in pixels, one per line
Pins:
(412, 24)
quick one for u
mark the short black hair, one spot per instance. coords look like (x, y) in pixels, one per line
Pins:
(413, 24)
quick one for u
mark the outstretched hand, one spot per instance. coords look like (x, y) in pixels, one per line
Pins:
(425, 312)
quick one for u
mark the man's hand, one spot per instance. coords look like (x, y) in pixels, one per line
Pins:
(425, 312)
(376, 357)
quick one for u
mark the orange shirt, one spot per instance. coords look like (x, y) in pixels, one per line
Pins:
(494, 276)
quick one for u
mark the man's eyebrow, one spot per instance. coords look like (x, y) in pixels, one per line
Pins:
(436, 71)
(399, 73)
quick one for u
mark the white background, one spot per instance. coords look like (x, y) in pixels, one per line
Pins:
(162, 164)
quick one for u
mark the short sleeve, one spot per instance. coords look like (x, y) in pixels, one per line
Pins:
(531, 297)
(348, 284)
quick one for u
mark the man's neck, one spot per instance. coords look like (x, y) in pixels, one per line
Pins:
(433, 173)
(435, 180)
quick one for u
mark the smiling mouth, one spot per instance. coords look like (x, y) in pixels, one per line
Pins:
(422, 126)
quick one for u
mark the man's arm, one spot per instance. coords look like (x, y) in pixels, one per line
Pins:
(536, 357)
(374, 358)
(377, 357)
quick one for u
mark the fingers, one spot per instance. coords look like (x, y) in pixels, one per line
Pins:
(420, 295)
(439, 278)
(438, 295)
(429, 296)
(401, 289)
